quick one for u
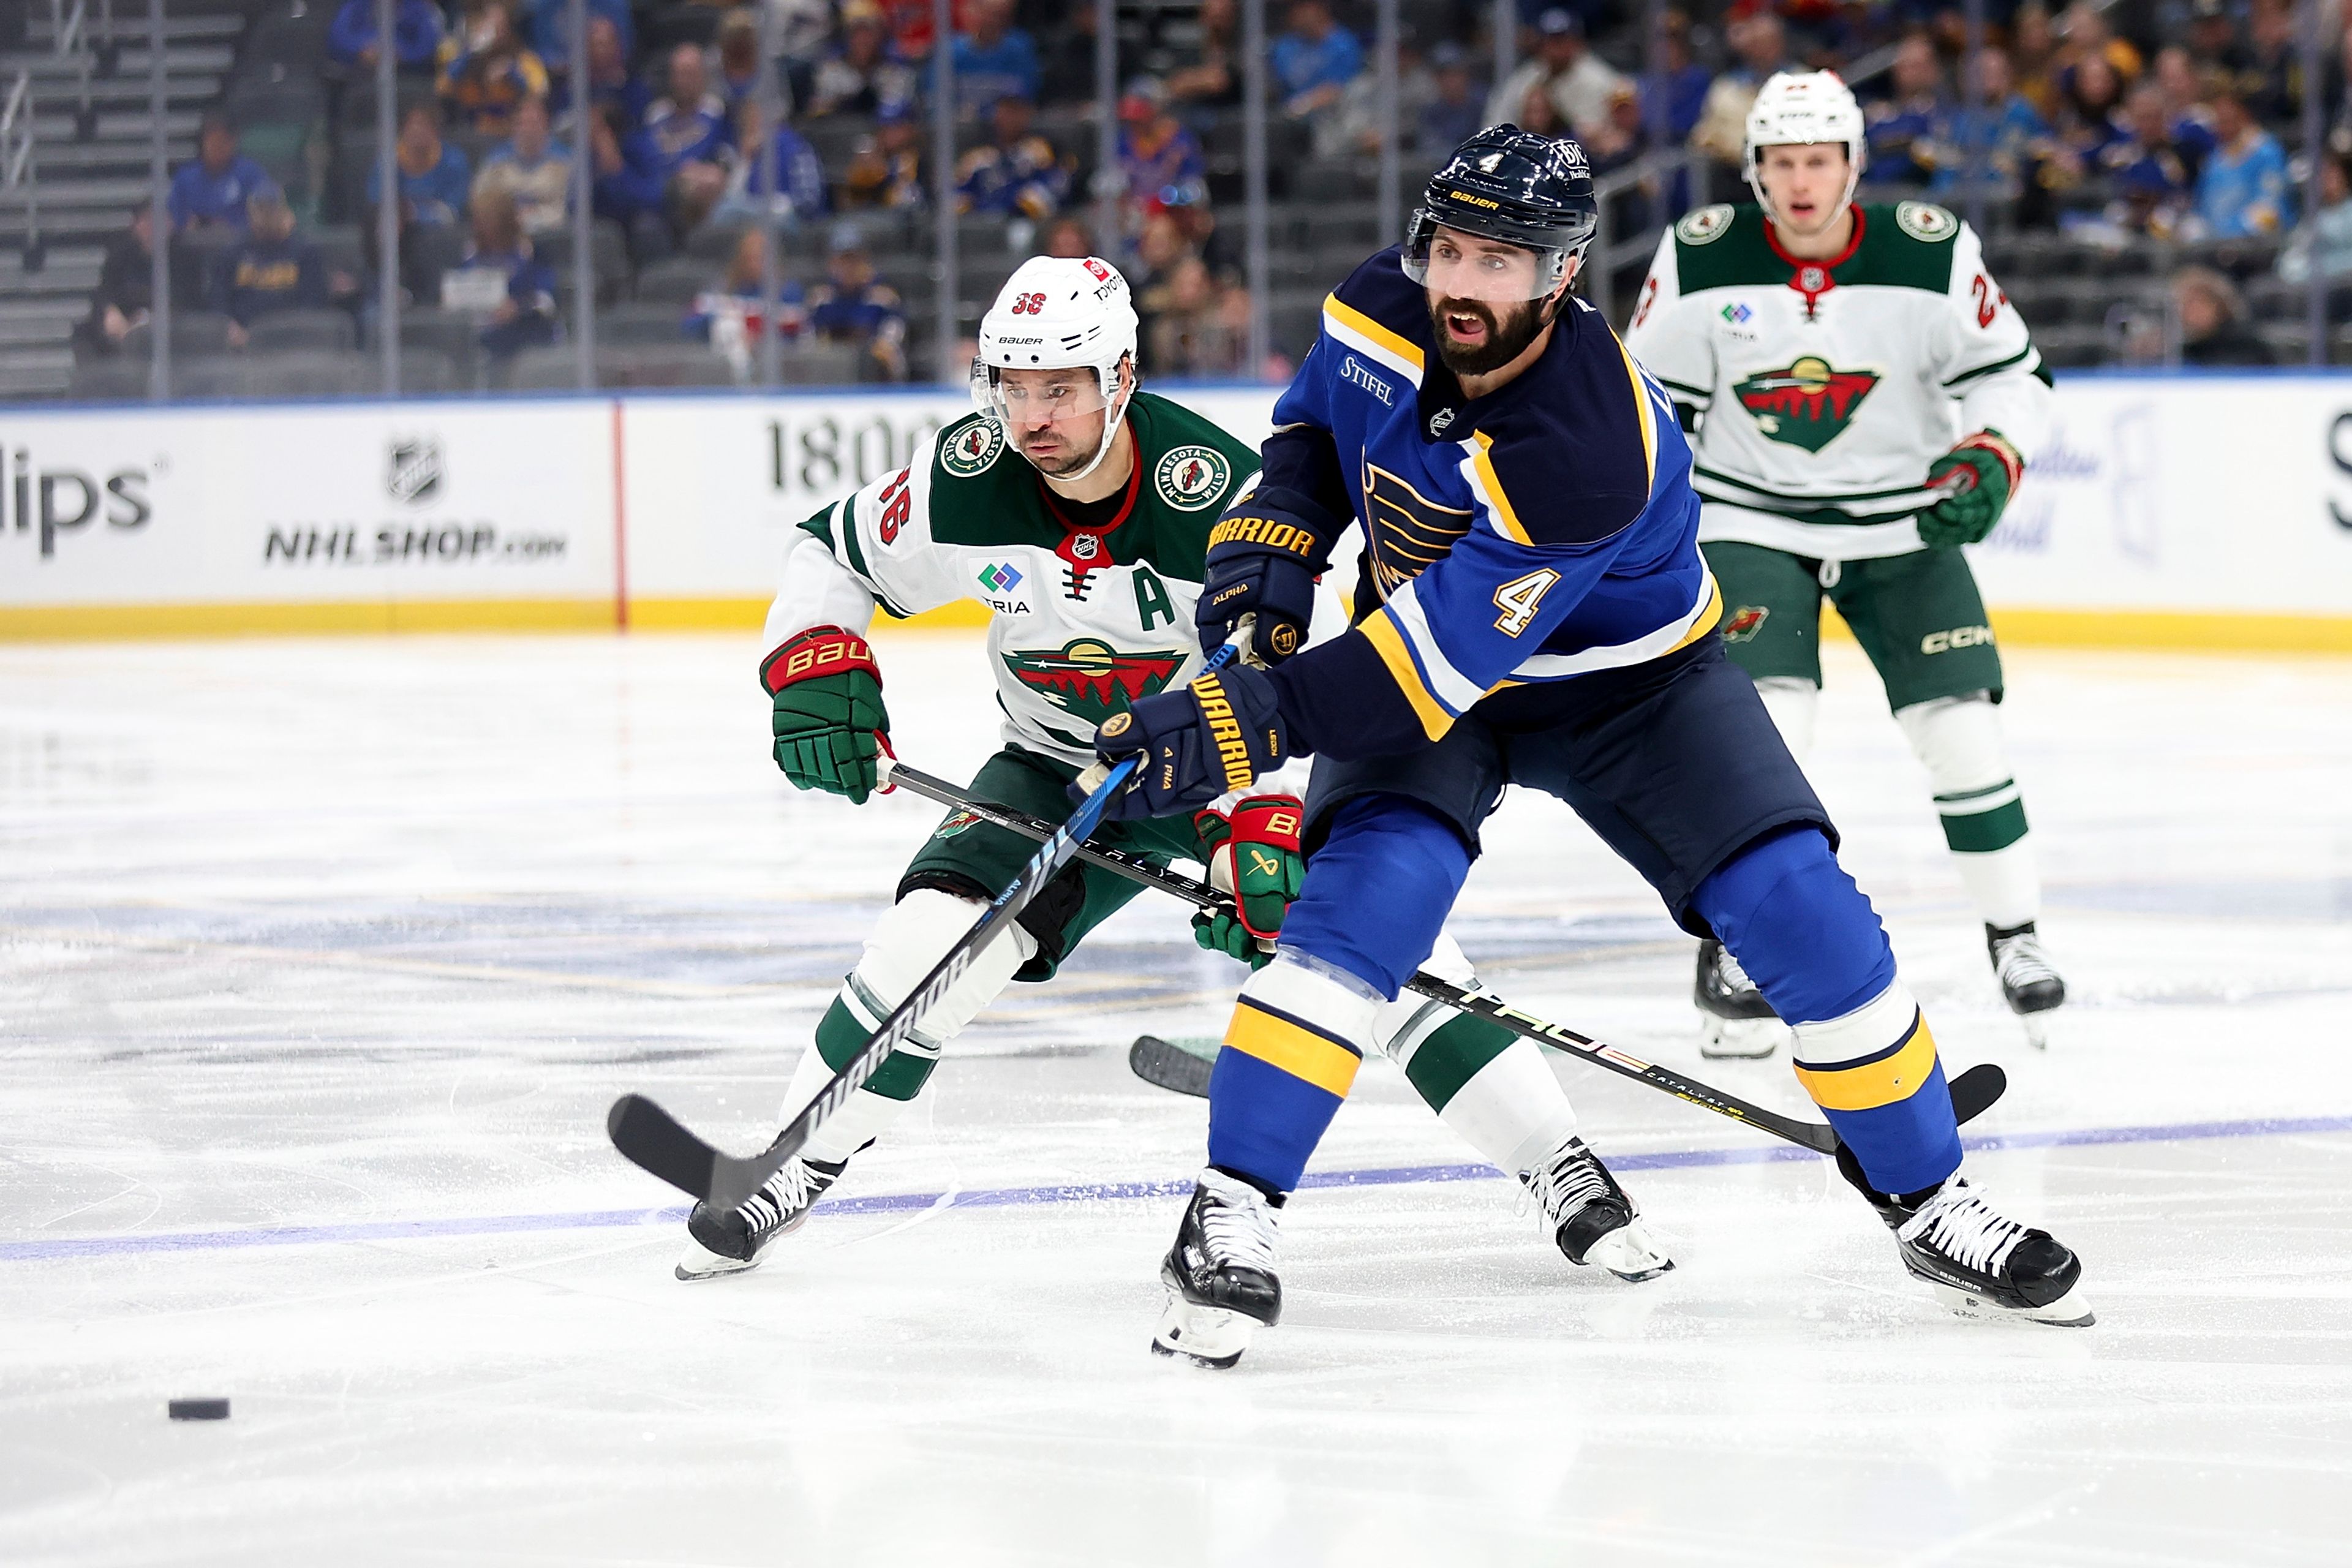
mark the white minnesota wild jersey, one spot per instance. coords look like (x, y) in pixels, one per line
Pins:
(1084, 620)
(1826, 389)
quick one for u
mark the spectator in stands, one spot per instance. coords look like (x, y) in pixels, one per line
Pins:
(1577, 80)
(212, 190)
(1686, 83)
(734, 65)
(2189, 121)
(2213, 41)
(125, 295)
(2243, 191)
(2324, 241)
(532, 168)
(788, 179)
(1313, 61)
(548, 24)
(994, 58)
(627, 183)
(692, 140)
(2003, 129)
(1761, 43)
(1015, 172)
(1156, 153)
(1213, 79)
(852, 306)
(2272, 79)
(860, 76)
(512, 288)
(2083, 35)
(910, 27)
(2214, 330)
(486, 70)
(609, 81)
(2033, 52)
(730, 315)
(435, 180)
(271, 268)
(2090, 121)
(1067, 240)
(1615, 142)
(2151, 178)
(416, 27)
(1456, 108)
(1904, 125)
(1192, 331)
(803, 29)
(887, 171)
(1066, 56)
(1355, 126)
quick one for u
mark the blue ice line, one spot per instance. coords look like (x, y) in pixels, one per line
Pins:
(1091, 1192)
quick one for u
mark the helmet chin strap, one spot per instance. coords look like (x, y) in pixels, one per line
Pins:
(1755, 171)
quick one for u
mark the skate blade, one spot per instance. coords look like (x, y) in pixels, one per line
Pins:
(702, 1263)
(1205, 1336)
(2072, 1311)
(1631, 1254)
(1740, 1040)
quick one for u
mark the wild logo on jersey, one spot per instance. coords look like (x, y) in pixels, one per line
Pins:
(1091, 680)
(1807, 405)
(1745, 621)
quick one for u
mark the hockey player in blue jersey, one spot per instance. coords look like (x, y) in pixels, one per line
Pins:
(1533, 609)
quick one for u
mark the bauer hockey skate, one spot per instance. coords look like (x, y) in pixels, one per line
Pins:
(2028, 982)
(1592, 1219)
(1736, 1022)
(729, 1241)
(1219, 1274)
(1979, 1262)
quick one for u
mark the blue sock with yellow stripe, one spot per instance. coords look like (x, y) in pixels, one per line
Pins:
(1290, 1056)
(1814, 946)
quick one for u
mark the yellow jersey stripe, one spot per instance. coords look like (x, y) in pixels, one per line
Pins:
(1356, 321)
(1648, 412)
(1885, 1081)
(1491, 490)
(1389, 643)
(1708, 618)
(1302, 1053)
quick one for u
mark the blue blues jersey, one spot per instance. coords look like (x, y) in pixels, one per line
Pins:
(1537, 534)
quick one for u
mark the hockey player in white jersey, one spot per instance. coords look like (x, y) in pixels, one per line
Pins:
(1864, 397)
(1077, 509)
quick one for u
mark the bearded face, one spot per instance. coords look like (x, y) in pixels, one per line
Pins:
(1478, 336)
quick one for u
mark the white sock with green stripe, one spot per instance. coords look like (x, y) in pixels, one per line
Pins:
(1959, 739)
(1493, 1087)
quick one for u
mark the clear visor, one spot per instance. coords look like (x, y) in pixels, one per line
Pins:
(1024, 399)
(1456, 266)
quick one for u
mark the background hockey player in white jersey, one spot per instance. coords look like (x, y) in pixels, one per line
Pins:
(1864, 396)
(1077, 509)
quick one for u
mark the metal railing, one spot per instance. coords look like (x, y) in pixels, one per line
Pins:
(20, 164)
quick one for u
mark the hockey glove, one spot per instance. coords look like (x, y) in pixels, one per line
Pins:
(1978, 477)
(829, 723)
(1264, 557)
(1216, 735)
(1251, 855)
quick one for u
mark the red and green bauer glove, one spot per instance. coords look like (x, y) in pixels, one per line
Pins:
(829, 725)
(1978, 477)
(1252, 857)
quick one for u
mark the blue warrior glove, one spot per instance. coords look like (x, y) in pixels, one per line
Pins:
(1218, 734)
(1263, 556)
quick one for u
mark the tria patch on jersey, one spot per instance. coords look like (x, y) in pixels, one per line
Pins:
(1001, 578)
(1925, 221)
(1806, 404)
(1705, 224)
(1192, 477)
(1089, 678)
(972, 448)
(1746, 622)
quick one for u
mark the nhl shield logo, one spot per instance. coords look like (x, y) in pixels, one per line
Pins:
(412, 472)
(1193, 478)
(970, 449)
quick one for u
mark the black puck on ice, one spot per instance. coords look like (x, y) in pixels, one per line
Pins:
(199, 1409)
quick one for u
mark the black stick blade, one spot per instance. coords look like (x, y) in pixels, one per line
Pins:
(1974, 1091)
(1170, 1067)
(654, 1141)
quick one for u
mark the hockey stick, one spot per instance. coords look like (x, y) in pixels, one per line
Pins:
(1984, 1084)
(659, 1142)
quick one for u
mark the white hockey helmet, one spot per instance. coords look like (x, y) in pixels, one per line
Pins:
(1055, 313)
(1799, 107)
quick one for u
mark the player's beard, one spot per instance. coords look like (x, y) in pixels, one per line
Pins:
(1506, 338)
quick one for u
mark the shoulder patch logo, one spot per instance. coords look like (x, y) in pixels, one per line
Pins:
(1707, 224)
(972, 449)
(1193, 478)
(1089, 678)
(1807, 405)
(1926, 222)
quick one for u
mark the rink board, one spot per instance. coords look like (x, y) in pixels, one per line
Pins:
(2208, 511)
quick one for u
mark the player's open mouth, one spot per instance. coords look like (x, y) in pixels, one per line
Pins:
(1466, 327)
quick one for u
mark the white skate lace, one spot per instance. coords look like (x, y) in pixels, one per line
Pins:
(2020, 962)
(1729, 974)
(787, 1192)
(1964, 1228)
(1238, 1232)
(1566, 1179)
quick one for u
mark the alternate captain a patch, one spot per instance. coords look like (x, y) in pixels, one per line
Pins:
(1808, 404)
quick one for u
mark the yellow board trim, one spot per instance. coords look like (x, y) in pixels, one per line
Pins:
(1883, 1082)
(1649, 414)
(1497, 501)
(75, 623)
(1389, 643)
(1355, 321)
(750, 614)
(1304, 1055)
(2155, 631)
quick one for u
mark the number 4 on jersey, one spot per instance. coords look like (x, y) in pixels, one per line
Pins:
(1517, 600)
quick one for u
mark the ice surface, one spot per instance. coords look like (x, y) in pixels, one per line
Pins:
(319, 961)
